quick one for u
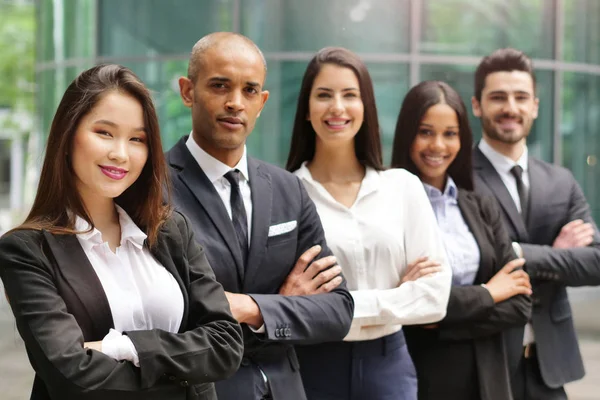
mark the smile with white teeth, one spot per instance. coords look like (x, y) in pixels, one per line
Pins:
(337, 123)
(436, 160)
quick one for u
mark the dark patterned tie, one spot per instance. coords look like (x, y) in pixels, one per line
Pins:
(238, 212)
(517, 172)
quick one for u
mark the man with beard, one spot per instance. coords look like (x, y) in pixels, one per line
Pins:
(549, 221)
(259, 229)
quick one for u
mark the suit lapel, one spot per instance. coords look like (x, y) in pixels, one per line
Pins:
(79, 273)
(471, 213)
(198, 183)
(488, 174)
(163, 255)
(262, 199)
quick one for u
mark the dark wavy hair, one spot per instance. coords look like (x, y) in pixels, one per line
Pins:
(57, 201)
(416, 103)
(367, 143)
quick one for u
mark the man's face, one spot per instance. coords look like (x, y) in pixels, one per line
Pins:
(226, 98)
(508, 106)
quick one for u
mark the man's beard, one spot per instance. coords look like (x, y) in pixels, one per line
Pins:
(501, 136)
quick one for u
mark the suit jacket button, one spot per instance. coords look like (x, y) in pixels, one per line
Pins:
(288, 332)
(245, 362)
(172, 378)
(184, 383)
(277, 331)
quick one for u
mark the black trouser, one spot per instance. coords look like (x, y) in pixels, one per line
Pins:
(527, 382)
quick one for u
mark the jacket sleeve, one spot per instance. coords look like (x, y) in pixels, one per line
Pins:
(307, 319)
(471, 310)
(570, 267)
(212, 348)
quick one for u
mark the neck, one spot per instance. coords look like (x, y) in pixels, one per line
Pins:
(337, 163)
(102, 211)
(514, 151)
(228, 156)
(438, 182)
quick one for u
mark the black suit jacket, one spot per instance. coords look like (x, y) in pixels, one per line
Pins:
(555, 199)
(277, 197)
(59, 304)
(465, 357)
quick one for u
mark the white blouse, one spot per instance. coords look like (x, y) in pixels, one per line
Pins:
(141, 293)
(390, 224)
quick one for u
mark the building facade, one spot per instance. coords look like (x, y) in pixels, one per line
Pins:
(402, 41)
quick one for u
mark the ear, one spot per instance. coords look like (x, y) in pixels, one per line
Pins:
(264, 96)
(186, 91)
(476, 107)
(536, 106)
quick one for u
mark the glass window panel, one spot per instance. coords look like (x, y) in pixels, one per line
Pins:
(150, 27)
(66, 29)
(309, 25)
(475, 27)
(580, 125)
(582, 31)
(461, 79)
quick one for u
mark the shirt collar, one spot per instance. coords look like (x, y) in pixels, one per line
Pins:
(213, 168)
(370, 182)
(450, 191)
(129, 231)
(500, 162)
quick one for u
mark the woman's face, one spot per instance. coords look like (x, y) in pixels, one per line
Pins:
(110, 147)
(436, 145)
(336, 110)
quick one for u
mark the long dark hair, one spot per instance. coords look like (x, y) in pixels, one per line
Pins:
(367, 144)
(416, 103)
(57, 201)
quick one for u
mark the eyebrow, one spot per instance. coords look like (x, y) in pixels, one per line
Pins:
(331, 90)
(505, 92)
(223, 79)
(110, 123)
(431, 126)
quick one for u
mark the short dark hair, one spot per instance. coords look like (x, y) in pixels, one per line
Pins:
(57, 200)
(416, 103)
(507, 59)
(367, 143)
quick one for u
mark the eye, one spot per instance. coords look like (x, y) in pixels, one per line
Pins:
(323, 95)
(138, 139)
(522, 98)
(351, 95)
(103, 133)
(218, 85)
(497, 98)
(450, 133)
(425, 132)
(251, 90)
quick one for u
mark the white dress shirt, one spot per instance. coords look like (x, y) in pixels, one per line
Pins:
(141, 293)
(390, 224)
(503, 165)
(215, 170)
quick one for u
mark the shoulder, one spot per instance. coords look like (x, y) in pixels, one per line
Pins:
(278, 176)
(399, 176)
(484, 204)
(551, 170)
(26, 241)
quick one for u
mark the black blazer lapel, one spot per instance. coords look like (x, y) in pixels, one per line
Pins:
(80, 275)
(471, 212)
(488, 174)
(205, 193)
(163, 255)
(262, 201)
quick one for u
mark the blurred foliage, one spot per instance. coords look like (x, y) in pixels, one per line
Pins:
(17, 56)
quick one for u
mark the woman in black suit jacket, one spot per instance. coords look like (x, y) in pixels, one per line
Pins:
(463, 357)
(104, 171)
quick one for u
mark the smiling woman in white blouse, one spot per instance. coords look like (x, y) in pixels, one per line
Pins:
(110, 292)
(376, 223)
(463, 357)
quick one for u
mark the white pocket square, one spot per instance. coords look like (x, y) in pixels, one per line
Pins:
(280, 229)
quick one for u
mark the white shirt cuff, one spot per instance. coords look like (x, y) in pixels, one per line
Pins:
(120, 347)
(261, 329)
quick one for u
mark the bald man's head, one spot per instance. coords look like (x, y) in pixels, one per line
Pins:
(220, 40)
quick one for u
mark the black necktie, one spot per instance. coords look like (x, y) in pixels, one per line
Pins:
(517, 172)
(238, 212)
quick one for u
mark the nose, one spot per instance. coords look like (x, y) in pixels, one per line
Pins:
(436, 143)
(118, 151)
(337, 106)
(510, 105)
(234, 103)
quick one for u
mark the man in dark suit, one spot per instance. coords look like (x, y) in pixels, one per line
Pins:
(548, 219)
(260, 230)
